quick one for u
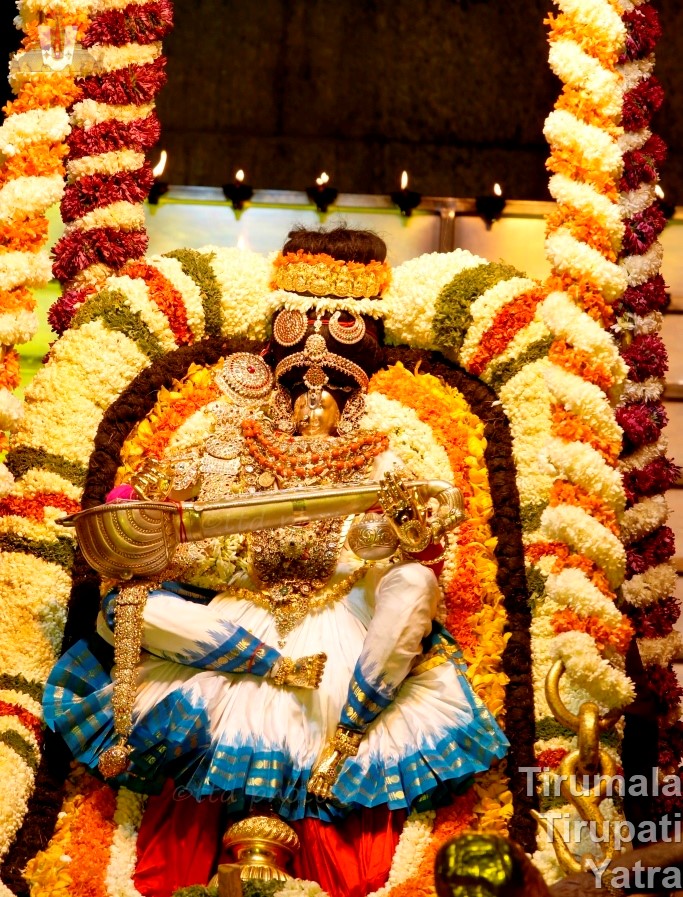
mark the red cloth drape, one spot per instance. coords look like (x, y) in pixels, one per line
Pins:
(179, 845)
(351, 858)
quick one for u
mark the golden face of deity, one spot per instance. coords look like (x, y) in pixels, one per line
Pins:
(316, 414)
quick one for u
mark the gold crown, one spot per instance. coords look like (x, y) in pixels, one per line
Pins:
(321, 275)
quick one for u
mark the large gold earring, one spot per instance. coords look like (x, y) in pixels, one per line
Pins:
(290, 327)
(347, 333)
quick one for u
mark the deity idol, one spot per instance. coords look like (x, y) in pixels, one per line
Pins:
(315, 692)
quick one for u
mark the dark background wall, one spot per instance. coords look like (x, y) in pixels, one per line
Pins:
(454, 92)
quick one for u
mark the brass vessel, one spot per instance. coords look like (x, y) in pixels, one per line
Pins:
(263, 847)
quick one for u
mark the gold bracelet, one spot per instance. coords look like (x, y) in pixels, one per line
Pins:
(346, 741)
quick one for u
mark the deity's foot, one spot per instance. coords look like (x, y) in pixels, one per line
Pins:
(305, 672)
(263, 846)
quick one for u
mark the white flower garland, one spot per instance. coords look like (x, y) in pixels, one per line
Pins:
(17, 326)
(565, 319)
(39, 604)
(589, 670)
(172, 270)
(649, 390)
(639, 268)
(24, 128)
(576, 528)
(6, 479)
(588, 200)
(574, 66)
(652, 585)
(125, 215)
(566, 253)
(16, 785)
(572, 588)
(30, 194)
(632, 140)
(598, 18)
(410, 850)
(73, 427)
(123, 853)
(643, 518)
(634, 71)
(485, 308)
(138, 299)
(526, 403)
(87, 113)
(246, 302)
(646, 453)
(24, 268)
(596, 148)
(104, 163)
(110, 59)
(584, 399)
(415, 285)
(582, 464)
(636, 201)
(11, 410)
(662, 650)
(409, 437)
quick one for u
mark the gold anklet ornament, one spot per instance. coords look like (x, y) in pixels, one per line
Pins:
(343, 744)
(263, 847)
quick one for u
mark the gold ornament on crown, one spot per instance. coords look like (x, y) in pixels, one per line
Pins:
(321, 275)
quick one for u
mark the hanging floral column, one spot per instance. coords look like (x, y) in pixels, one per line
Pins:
(113, 126)
(651, 577)
(583, 242)
(32, 151)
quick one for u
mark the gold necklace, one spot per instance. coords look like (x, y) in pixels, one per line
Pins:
(292, 600)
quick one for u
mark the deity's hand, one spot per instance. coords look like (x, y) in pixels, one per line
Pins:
(305, 672)
(406, 513)
(345, 743)
(450, 512)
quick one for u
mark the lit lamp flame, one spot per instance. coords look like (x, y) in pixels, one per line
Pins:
(667, 207)
(158, 169)
(490, 207)
(322, 180)
(406, 199)
(239, 176)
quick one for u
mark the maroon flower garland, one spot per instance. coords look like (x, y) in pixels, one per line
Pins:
(87, 253)
(134, 84)
(141, 134)
(78, 250)
(132, 24)
(98, 190)
(643, 419)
